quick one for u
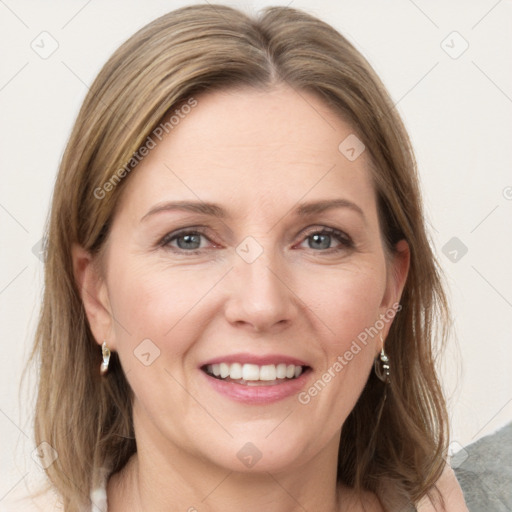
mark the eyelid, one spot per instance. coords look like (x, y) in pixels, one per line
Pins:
(326, 229)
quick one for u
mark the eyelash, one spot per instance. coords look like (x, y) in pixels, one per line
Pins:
(344, 240)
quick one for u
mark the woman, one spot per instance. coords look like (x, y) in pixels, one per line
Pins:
(240, 292)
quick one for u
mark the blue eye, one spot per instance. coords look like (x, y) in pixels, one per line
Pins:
(324, 239)
(186, 241)
(191, 241)
(319, 241)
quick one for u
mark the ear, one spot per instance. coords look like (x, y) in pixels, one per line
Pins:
(398, 269)
(94, 295)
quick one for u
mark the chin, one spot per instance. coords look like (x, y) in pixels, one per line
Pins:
(255, 451)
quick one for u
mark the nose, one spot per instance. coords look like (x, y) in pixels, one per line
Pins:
(260, 298)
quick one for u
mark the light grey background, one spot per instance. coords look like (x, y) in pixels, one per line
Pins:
(457, 106)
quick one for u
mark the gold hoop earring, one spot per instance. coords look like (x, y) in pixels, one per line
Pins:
(105, 351)
(381, 365)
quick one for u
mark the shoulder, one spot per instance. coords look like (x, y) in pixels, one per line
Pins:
(365, 502)
(451, 492)
(41, 502)
(447, 485)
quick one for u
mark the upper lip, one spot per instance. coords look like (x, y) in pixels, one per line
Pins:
(258, 359)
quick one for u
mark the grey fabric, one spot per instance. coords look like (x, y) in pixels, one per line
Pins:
(484, 472)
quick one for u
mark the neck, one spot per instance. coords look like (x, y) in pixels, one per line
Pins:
(137, 490)
(173, 479)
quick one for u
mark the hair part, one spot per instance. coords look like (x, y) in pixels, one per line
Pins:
(398, 453)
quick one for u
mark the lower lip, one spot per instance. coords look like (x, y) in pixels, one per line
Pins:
(255, 394)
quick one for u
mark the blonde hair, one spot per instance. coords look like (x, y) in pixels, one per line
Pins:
(398, 453)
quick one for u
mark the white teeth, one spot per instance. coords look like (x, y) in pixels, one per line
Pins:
(268, 372)
(253, 372)
(281, 371)
(224, 370)
(250, 372)
(235, 371)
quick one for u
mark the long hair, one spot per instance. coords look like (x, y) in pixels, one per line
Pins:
(397, 453)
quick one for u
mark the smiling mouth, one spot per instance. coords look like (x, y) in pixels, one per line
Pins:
(253, 374)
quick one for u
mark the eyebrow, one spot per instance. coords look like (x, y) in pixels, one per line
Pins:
(211, 209)
(215, 210)
(327, 204)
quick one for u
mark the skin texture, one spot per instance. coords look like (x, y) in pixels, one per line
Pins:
(258, 155)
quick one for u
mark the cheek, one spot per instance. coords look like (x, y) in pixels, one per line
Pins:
(346, 300)
(153, 301)
(346, 303)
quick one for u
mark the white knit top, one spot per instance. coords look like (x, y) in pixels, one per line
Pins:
(99, 493)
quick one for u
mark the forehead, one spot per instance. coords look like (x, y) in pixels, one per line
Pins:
(256, 148)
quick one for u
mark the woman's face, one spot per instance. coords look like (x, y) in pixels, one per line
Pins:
(247, 243)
